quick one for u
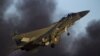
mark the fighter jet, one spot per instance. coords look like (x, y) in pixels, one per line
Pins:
(48, 36)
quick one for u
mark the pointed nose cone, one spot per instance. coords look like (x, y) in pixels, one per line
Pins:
(83, 13)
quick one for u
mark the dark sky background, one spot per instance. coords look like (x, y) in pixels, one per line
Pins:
(37, 14)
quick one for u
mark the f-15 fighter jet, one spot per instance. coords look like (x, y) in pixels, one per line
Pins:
(48, 36)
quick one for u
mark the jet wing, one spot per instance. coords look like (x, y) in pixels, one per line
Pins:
(33, 35)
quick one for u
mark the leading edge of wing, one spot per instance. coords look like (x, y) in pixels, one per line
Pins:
(37, 33)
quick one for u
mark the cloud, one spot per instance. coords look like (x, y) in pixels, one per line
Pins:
(34, 14)
(87, 44)
(37, 14)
